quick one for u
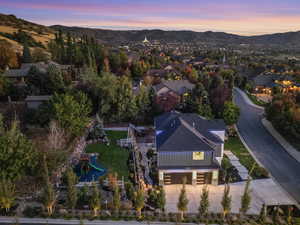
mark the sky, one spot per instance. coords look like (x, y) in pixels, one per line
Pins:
(243, 17)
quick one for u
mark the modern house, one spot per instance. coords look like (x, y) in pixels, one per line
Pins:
(188, 146)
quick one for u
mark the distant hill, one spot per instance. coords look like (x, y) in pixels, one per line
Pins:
(16, 31)
(286, 39)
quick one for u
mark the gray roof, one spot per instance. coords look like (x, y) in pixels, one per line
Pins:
(178, 132)
(269, 80)
(178, 86)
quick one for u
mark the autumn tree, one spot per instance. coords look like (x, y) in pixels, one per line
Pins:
(7, 56)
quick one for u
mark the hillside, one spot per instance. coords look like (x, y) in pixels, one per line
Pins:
(290, 39)
(16, 31)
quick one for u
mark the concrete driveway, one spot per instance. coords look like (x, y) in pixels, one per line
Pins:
(262, 191)
(284, 168)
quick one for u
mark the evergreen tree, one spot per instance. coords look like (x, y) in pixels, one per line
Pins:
(204, 202)
(231, 113)
(130, 191)
(161, 199)
(95, 200)
(139, 202)
(72, 196)
(26, 56)
(49, 195)
(116, 198)
(226, 201)
(7, 194)
(246, 198)
(182, 202)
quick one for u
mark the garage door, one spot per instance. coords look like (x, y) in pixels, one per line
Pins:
(177, 178)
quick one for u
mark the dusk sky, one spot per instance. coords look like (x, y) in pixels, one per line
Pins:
(246, 17)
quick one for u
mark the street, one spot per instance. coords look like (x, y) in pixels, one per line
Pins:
(284, 168)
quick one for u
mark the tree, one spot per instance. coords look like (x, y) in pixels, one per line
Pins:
(7, 56)
(17, 154)
(26, 56)
(95, 200)
(71, 188)
(116, 198)
(39, 55)
(139, 201)
(161, 199)
(246, 198)
(4, 85)
(231, 113)
(56, 79)
(130, 192)
(226, 200)
(204, 202)
(49, 195)
(7, 194)
(182, 202)
(56, 136)
(71, 111)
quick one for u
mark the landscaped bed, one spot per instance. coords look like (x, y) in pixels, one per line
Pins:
(112, 157)
(235, 145)
(255, 100)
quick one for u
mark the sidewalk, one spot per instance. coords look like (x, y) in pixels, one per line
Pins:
(243, 172)
(287, 146)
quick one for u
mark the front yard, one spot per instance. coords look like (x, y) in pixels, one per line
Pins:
(235, 145)
(112, 157)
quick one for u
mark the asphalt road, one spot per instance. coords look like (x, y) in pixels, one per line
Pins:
(284, 169)
(37, 221)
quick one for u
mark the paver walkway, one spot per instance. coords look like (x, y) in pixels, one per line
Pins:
(243, 172)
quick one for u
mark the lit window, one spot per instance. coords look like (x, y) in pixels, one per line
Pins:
(198, 155)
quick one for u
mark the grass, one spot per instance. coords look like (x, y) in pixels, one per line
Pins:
(255, 100)
(112, 157)
(235, 145)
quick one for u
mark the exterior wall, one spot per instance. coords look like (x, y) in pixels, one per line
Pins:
(183, 159)
(210, 176)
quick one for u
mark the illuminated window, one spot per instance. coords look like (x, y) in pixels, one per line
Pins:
(198, 155)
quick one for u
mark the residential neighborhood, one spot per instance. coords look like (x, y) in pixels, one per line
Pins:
(147, 126)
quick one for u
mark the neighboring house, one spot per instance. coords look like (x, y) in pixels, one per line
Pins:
(170, 93)
(264, 83)
(188, 146)
(33, 102)
(19, 75)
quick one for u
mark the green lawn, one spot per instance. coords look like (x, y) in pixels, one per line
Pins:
(235, 145)
(112, 157)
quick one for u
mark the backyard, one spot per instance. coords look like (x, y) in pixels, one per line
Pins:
(112, 157)
(235, 145)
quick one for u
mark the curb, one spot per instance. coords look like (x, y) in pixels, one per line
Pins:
(281, 140)
(249, 102)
